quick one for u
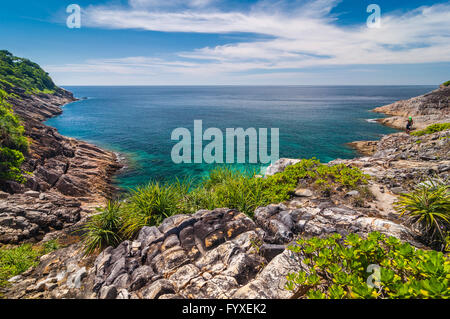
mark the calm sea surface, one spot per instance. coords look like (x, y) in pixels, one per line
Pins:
(138, 121)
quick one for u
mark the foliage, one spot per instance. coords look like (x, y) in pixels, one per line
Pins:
(150, 204)
(446, 83)
(16, 260)
(336, 268)
(103, 229)
(324, 177)
(10, 162)
(22, 73)
(428, 207)
(224, 187)
(432, 129)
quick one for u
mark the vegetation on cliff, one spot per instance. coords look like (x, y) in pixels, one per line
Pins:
(16, 260)
(22, 73)
(13, 143)
(224, 187)
(434, 128)
(428, 209)
(377, 267)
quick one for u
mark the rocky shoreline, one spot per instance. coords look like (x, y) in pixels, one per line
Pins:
(66, 179)
(225, 254)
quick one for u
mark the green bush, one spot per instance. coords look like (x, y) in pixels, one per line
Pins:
(16, 260)
(311, 171)
(334, 268)
(103, 229)
(432, 129)
(150, 204)
(12, 142)
(428, 207)
(10, 163)
(446, 83)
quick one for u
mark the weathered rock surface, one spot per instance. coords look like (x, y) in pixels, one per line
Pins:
(66, 174)
(223, 253)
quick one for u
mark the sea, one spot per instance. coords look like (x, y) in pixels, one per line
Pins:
(137, 122)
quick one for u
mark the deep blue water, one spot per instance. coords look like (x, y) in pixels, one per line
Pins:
(138, 121)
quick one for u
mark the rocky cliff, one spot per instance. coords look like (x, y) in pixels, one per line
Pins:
(427, 109)
(225, 254)
(66, 176)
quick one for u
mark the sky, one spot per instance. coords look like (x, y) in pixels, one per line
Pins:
(245, 42)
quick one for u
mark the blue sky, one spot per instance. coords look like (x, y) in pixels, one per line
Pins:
(208, 42)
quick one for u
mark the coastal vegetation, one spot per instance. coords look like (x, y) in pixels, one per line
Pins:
(13, 143)
(29, 78)
(223, 187)
(446, 83)
(16, 260)
(377, 267)
(24, 74)
(434, 128)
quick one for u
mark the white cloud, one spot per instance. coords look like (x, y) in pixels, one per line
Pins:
(302, 34)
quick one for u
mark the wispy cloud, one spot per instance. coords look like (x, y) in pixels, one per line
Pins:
(302, 34)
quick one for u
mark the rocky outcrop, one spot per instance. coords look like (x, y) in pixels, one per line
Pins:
(63, 173)
(427, 109)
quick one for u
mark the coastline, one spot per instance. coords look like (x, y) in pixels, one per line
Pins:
(68, 178)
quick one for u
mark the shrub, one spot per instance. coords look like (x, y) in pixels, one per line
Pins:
(432, 129)
(446, 83)
(428, 208)
(334, 268)
(10, 163)
(150, 204)
(103, 230)
(16, 260)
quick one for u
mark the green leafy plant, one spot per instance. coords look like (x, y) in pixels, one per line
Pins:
(432, 129)
(428, 207)
(446, 83)
(103, 229)
(16, 260)
(338, 268)
(20, 72)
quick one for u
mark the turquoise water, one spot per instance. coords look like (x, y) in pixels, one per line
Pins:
(138, 121)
